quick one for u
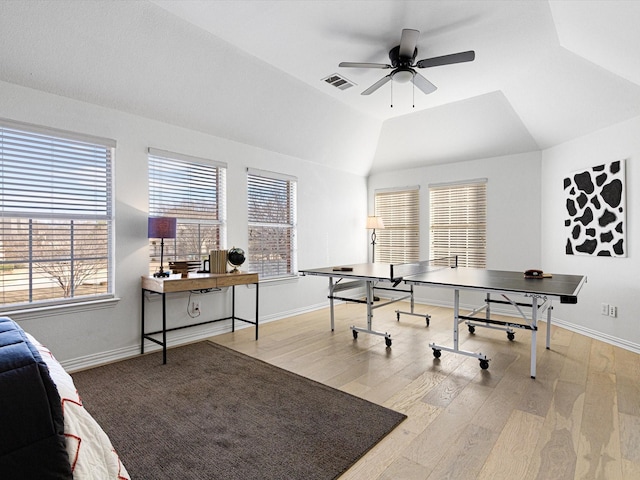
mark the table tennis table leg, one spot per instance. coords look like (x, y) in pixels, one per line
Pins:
(369, 287)
(331, 303)
(437, 349)
(456, 318)
(426, 316)
(370, 297)
(412, 299)
(534, 332)
(549, 325)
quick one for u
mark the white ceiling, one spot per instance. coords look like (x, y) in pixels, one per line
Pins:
(307, 39)
(545, 71)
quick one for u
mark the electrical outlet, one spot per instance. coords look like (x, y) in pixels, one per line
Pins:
(195, 307)
(613, 311)
(604, 309)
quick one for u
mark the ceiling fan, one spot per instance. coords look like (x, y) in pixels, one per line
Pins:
(402, 62)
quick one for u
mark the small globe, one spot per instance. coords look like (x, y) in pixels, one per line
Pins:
(236, 258)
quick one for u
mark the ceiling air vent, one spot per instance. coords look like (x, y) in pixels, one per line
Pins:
(338, 81)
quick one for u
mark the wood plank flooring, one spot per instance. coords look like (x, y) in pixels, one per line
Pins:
(579, 419)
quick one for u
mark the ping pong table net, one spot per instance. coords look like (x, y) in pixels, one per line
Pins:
(402, 270)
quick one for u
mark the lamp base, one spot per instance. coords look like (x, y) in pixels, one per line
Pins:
(161, 274)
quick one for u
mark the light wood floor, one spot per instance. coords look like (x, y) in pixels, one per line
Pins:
(580, 418)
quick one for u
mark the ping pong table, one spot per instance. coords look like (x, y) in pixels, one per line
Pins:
(538, 295)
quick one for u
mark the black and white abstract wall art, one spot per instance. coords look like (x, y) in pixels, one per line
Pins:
(596, 211)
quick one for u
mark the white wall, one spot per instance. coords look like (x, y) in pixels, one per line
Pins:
(331, 220)
(525, 224)
(513, 210)
(614, 281)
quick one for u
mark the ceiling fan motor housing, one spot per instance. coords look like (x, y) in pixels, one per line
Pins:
(402, 72)
(400, 61)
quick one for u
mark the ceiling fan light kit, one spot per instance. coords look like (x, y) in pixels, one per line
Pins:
(403, 63)
(402, 76)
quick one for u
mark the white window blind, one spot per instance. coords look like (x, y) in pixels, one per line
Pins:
(56, 216)
(399, 241)
(272, 223)
(193, 190)
(458, 223)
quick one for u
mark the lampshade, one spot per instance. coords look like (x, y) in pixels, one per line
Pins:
(375, 222)
(162, 227)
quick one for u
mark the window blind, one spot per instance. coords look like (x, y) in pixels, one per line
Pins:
(56, 215)
(193, 190)
(458, 223)
(272, 223)
(399, 241)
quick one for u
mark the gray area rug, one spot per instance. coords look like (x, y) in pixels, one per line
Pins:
(213, 413)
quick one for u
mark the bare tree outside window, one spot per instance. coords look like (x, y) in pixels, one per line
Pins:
(272, 224)
(71, 254)
(192, 190)
(56, 217)
(67, 259)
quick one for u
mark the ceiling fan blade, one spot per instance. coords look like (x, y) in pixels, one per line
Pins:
(364, 65)
(408, 42)
(447, 59)
(423, 84)
(376, 85)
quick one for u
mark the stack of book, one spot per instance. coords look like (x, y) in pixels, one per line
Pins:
(184, 267)
(218, 261)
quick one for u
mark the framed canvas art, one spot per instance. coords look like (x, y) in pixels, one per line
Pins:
(595, 211)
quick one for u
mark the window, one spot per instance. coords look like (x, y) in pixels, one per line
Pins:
(56, 216)
(399, 241)
(458, 222)
(193, 191)
(272, 224)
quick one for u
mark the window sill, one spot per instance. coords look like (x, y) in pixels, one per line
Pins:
(65, 309)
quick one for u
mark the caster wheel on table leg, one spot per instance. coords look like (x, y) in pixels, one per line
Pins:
(437, 353)
(511, 336)
(355, 334)
(484, 364)
(472, 329)
(387, 340)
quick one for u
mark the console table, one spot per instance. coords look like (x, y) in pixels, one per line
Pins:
(200, 282)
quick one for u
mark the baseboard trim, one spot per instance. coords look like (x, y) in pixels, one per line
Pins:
(603, 337)
(184, 337)
(174, 340)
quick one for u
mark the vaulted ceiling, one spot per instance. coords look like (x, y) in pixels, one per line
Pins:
(253, 71)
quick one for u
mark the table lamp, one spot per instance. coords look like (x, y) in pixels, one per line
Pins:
(162, 227)
(374, 222)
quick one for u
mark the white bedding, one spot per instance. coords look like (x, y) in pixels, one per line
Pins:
(90, 451)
